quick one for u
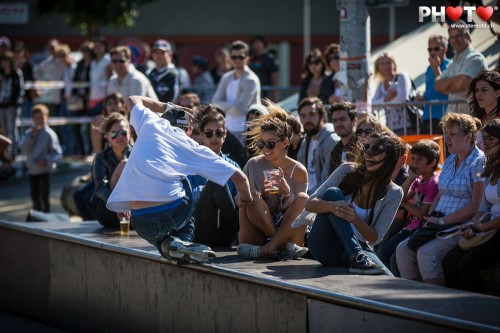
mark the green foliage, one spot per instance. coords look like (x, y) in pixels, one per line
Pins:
(91, 15)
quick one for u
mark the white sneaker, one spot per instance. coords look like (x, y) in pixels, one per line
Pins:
(248, 251)
(188, 251)
(293, 251)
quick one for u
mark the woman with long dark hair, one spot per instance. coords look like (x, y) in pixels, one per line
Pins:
(355, 207)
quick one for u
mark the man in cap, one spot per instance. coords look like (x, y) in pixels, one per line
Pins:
(164, 77)
(154, 185)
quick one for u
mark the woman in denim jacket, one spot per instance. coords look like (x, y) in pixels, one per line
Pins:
(107, 167)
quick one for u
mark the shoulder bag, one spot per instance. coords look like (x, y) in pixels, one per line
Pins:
(478, 238)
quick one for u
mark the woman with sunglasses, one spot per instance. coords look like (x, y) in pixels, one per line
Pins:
(367, 126)
(462, 269)
(215, 213)
(355, 207)
(265, 223)
(107, 167)
(312, 75)
(460, 191)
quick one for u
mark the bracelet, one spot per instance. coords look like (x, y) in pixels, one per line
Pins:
(246, 201)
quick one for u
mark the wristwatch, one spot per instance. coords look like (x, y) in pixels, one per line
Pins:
(441, 221)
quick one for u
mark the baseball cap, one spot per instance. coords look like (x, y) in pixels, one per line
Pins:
(176, 117)
(162, 44)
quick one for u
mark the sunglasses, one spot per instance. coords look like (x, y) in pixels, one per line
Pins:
(121, 132)
(364, 131)
(373, 149)
(118, 61)
(238, 57)
(269, 144)
(435, 49)
(334, 57)
(209, 133)
(314, 62)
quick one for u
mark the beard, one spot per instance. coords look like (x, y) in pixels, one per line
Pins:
(313, 131)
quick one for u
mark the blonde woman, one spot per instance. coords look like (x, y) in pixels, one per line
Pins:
(270, 215)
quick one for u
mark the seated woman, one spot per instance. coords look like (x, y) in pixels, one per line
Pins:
(215, 213)
(366, 126)
(460, 192)
(462, 269)
(355, 207)
(271, 214)
(107, 167)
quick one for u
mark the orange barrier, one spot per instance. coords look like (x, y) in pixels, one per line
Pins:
(412, 139)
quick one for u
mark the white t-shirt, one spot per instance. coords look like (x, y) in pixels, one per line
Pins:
(99, 78)
(363, 214)
(162, 156)
(234, 122)
(311, 161)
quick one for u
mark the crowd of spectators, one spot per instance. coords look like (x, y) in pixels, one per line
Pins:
(342, 179)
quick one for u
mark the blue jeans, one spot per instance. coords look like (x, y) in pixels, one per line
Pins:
(155, 224)
(332, 241)
(387, 251)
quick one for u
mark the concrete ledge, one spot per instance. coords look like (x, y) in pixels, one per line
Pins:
(80, 277)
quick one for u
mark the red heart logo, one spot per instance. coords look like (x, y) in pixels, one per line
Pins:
(454, 12)
(484, 12)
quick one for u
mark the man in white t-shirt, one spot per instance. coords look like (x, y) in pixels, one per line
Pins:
(237, 90)
(154, 186)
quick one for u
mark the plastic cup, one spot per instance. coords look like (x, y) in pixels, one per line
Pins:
(124, 226)
(269, 175)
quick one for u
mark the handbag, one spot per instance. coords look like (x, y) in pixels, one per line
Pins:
(74, 103)
(478, 238)
(425, 234)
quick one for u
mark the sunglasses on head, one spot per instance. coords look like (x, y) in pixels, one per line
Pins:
(435, 49)
(209, 133)
(364, 131)
(373, 149)
(118, 61)
(238, 57)
(121, 132)
(269, 144)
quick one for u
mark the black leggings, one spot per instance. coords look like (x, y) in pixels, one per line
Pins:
(103, 215)
(462, 269)
(216, 216)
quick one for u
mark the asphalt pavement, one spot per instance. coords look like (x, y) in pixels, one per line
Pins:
(15, 199)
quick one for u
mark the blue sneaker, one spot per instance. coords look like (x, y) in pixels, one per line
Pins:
(363, 264)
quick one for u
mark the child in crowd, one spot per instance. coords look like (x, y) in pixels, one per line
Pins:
(421, 186)
(42, 147)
